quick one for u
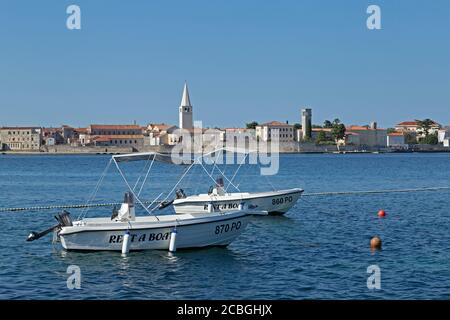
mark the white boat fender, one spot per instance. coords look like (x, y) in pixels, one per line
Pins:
(173, 240)
(126, 242)
(210, 207)
(242, 206)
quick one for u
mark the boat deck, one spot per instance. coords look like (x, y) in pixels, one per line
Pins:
(238, 195)
(149, 221)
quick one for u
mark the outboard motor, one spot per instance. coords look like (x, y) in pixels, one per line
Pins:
(63, 219)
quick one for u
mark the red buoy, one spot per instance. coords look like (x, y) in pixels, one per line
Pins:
(382, 213)
(375, 243)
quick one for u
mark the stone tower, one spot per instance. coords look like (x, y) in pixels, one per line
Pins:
(185, 112)
(306, 123)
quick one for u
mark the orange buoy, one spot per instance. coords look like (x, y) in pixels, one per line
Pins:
(382, 213)
(375, 243)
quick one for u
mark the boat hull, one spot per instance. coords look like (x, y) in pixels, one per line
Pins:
(221, 230)
(276, 202)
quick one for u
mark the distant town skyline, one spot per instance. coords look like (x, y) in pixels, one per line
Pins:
(243, 60)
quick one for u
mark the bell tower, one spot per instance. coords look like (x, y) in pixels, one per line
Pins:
(185, 111)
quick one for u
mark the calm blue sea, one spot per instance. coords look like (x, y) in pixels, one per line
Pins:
(319, 250)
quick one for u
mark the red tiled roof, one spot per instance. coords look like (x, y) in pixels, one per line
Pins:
(321, 129)
(361, 128)
(236, 129)
(81, 130)
(114, 126)
(412, 123)
(356, 128)
(161, 126)
(276, 123)
(118, 137)
(51, 130)
(395, 134)
(19, 128)
(195, 130)
(408, 123)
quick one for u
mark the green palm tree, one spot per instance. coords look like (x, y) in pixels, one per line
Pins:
(425, 125)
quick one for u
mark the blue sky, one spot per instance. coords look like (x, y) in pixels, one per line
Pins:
(244, 60)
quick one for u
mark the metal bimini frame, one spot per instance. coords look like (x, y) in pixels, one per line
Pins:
(155, 156)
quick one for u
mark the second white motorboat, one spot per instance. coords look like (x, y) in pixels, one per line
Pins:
(218, 200)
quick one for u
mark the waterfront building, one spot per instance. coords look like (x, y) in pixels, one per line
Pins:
(275, 129)
(414, 126)
(239, 134)
(350, 139)
(67, 133)
(213, 137)
(134, 141)
(52, 136)
(185, 110)
(159, 127)
(397, 139)
(368, 136)
(200, 134)
(113, 135)
(444, 134)
(79, 137)
(21, 138)
(102, 129)
(314, 134)
(306, 124)
(49, 141)
(316, 131)
(161, 134)
(446, 142)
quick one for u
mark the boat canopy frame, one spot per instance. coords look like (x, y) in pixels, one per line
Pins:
(151, 157)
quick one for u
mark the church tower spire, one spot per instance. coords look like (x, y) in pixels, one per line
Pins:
(185, 111)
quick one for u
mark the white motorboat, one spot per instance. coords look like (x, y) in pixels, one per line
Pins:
(124, 231)
(153, 232)
(270, 202)
(218, 199)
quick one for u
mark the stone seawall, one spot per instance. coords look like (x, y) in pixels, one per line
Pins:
(284, 148)
(65, 149)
